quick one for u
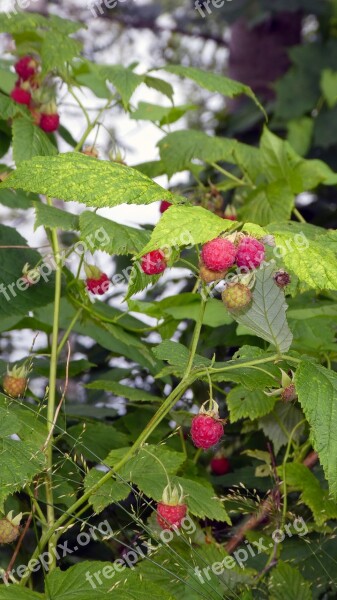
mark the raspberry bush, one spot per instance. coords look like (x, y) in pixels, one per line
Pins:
(179, 375)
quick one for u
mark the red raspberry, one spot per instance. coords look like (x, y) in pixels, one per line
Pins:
(250, 253)
(49, 123)
(153, 262)
(164, 205)
(289, 393)
(206, 431)
(172, 509)
(26, 67)
(21, 96)
(220, 465)
(98, 286)
(169, 516)
(229, 217)
(218, 254)
(236, 296)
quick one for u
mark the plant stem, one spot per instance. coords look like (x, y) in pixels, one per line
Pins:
(196, 336)
(298, 216)
(52, 392)
(229, 175)
(67, 332)
(91, 126)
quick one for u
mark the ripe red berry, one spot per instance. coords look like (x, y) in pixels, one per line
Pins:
(99, 285)
(250, 253)
(220, 465)
(49, 123)
(21, 96)
(207, 428)
(172, 509)
(26, 67)
(153, 262)
(169, 516)
(164, 205)
(236, 296)
(218, 254)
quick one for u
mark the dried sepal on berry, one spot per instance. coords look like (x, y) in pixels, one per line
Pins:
(287, 390)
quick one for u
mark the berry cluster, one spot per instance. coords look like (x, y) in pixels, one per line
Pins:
(30, 91)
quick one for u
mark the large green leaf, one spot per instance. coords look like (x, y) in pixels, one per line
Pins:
(20, 22)
(266, 316)
(202, 500)
(300, 478)
(21, 458)
(123, 79)
(120, 239)
(50, 216)
(287, 583)
(85, 179)
(186, 225)
(179, 148)
(14, 301)
(310, 260)
(29, 140)
(214, 82)
(57, 50)
(317, 388)
(270, 203)
(244, 403)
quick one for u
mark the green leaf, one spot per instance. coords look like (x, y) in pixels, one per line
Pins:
(19, 22)
(123, 391)
(29, 141)
(202, 501)
(310, 260)
(94, 441)
(289, 416)
(146, 468)
(17, 199)
(13, 300)
(57, 50)
(301, 479)
(266, 316)
(329, 86)
(50, 216)
(21, 459)
(270, 203)
(184, 226)
(317, 388)
(108, 493)
(300, 134)
(14, 592)
(81, 178)
(7, 80)
(8, 108)
(120, 239)
(160, 85)
(214, 82)
(244, 403)
(287, 583)
(278, 158)
(123, 79)
(179, 148)
(164, 115)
